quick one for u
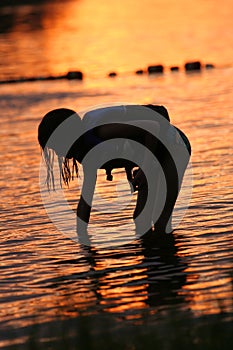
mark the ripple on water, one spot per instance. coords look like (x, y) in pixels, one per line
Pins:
(45, 275)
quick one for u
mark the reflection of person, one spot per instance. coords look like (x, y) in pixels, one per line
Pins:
(62, 131)
(149, 272)
(165, 269)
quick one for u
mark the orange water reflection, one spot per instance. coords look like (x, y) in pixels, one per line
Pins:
(122, 36)
(208, 296)
(44, 275)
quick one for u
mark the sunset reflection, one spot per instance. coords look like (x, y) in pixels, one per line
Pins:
(210, 297)
(170, 284)
(98, 39)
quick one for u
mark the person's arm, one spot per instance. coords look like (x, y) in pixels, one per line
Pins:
(142, 131)
(150, 147)
(85, 203)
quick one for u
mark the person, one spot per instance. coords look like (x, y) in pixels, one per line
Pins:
(139, 138)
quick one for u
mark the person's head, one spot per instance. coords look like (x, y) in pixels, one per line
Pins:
(57, 132)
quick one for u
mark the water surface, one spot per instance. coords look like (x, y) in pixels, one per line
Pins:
(45, 276)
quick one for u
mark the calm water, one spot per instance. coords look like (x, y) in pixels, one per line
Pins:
(45, 276)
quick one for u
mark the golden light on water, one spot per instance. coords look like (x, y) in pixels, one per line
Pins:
(43, 272)
(210, 295)
(100, 38)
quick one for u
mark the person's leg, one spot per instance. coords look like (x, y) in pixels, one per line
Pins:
(144, 207)
(173, 186)
(162, 224)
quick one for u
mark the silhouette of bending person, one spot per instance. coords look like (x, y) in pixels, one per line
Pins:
(104, 138)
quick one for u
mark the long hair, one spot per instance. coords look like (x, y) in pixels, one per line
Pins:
(68, 168)
(68, 165)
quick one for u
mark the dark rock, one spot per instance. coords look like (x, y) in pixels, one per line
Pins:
(155, 69)
(74, 75)
(190, 66)
(69, 75)
(112, 74)
(174, 68)
(51, 77)
(30, 79)
(139, 72)
(209, 66)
